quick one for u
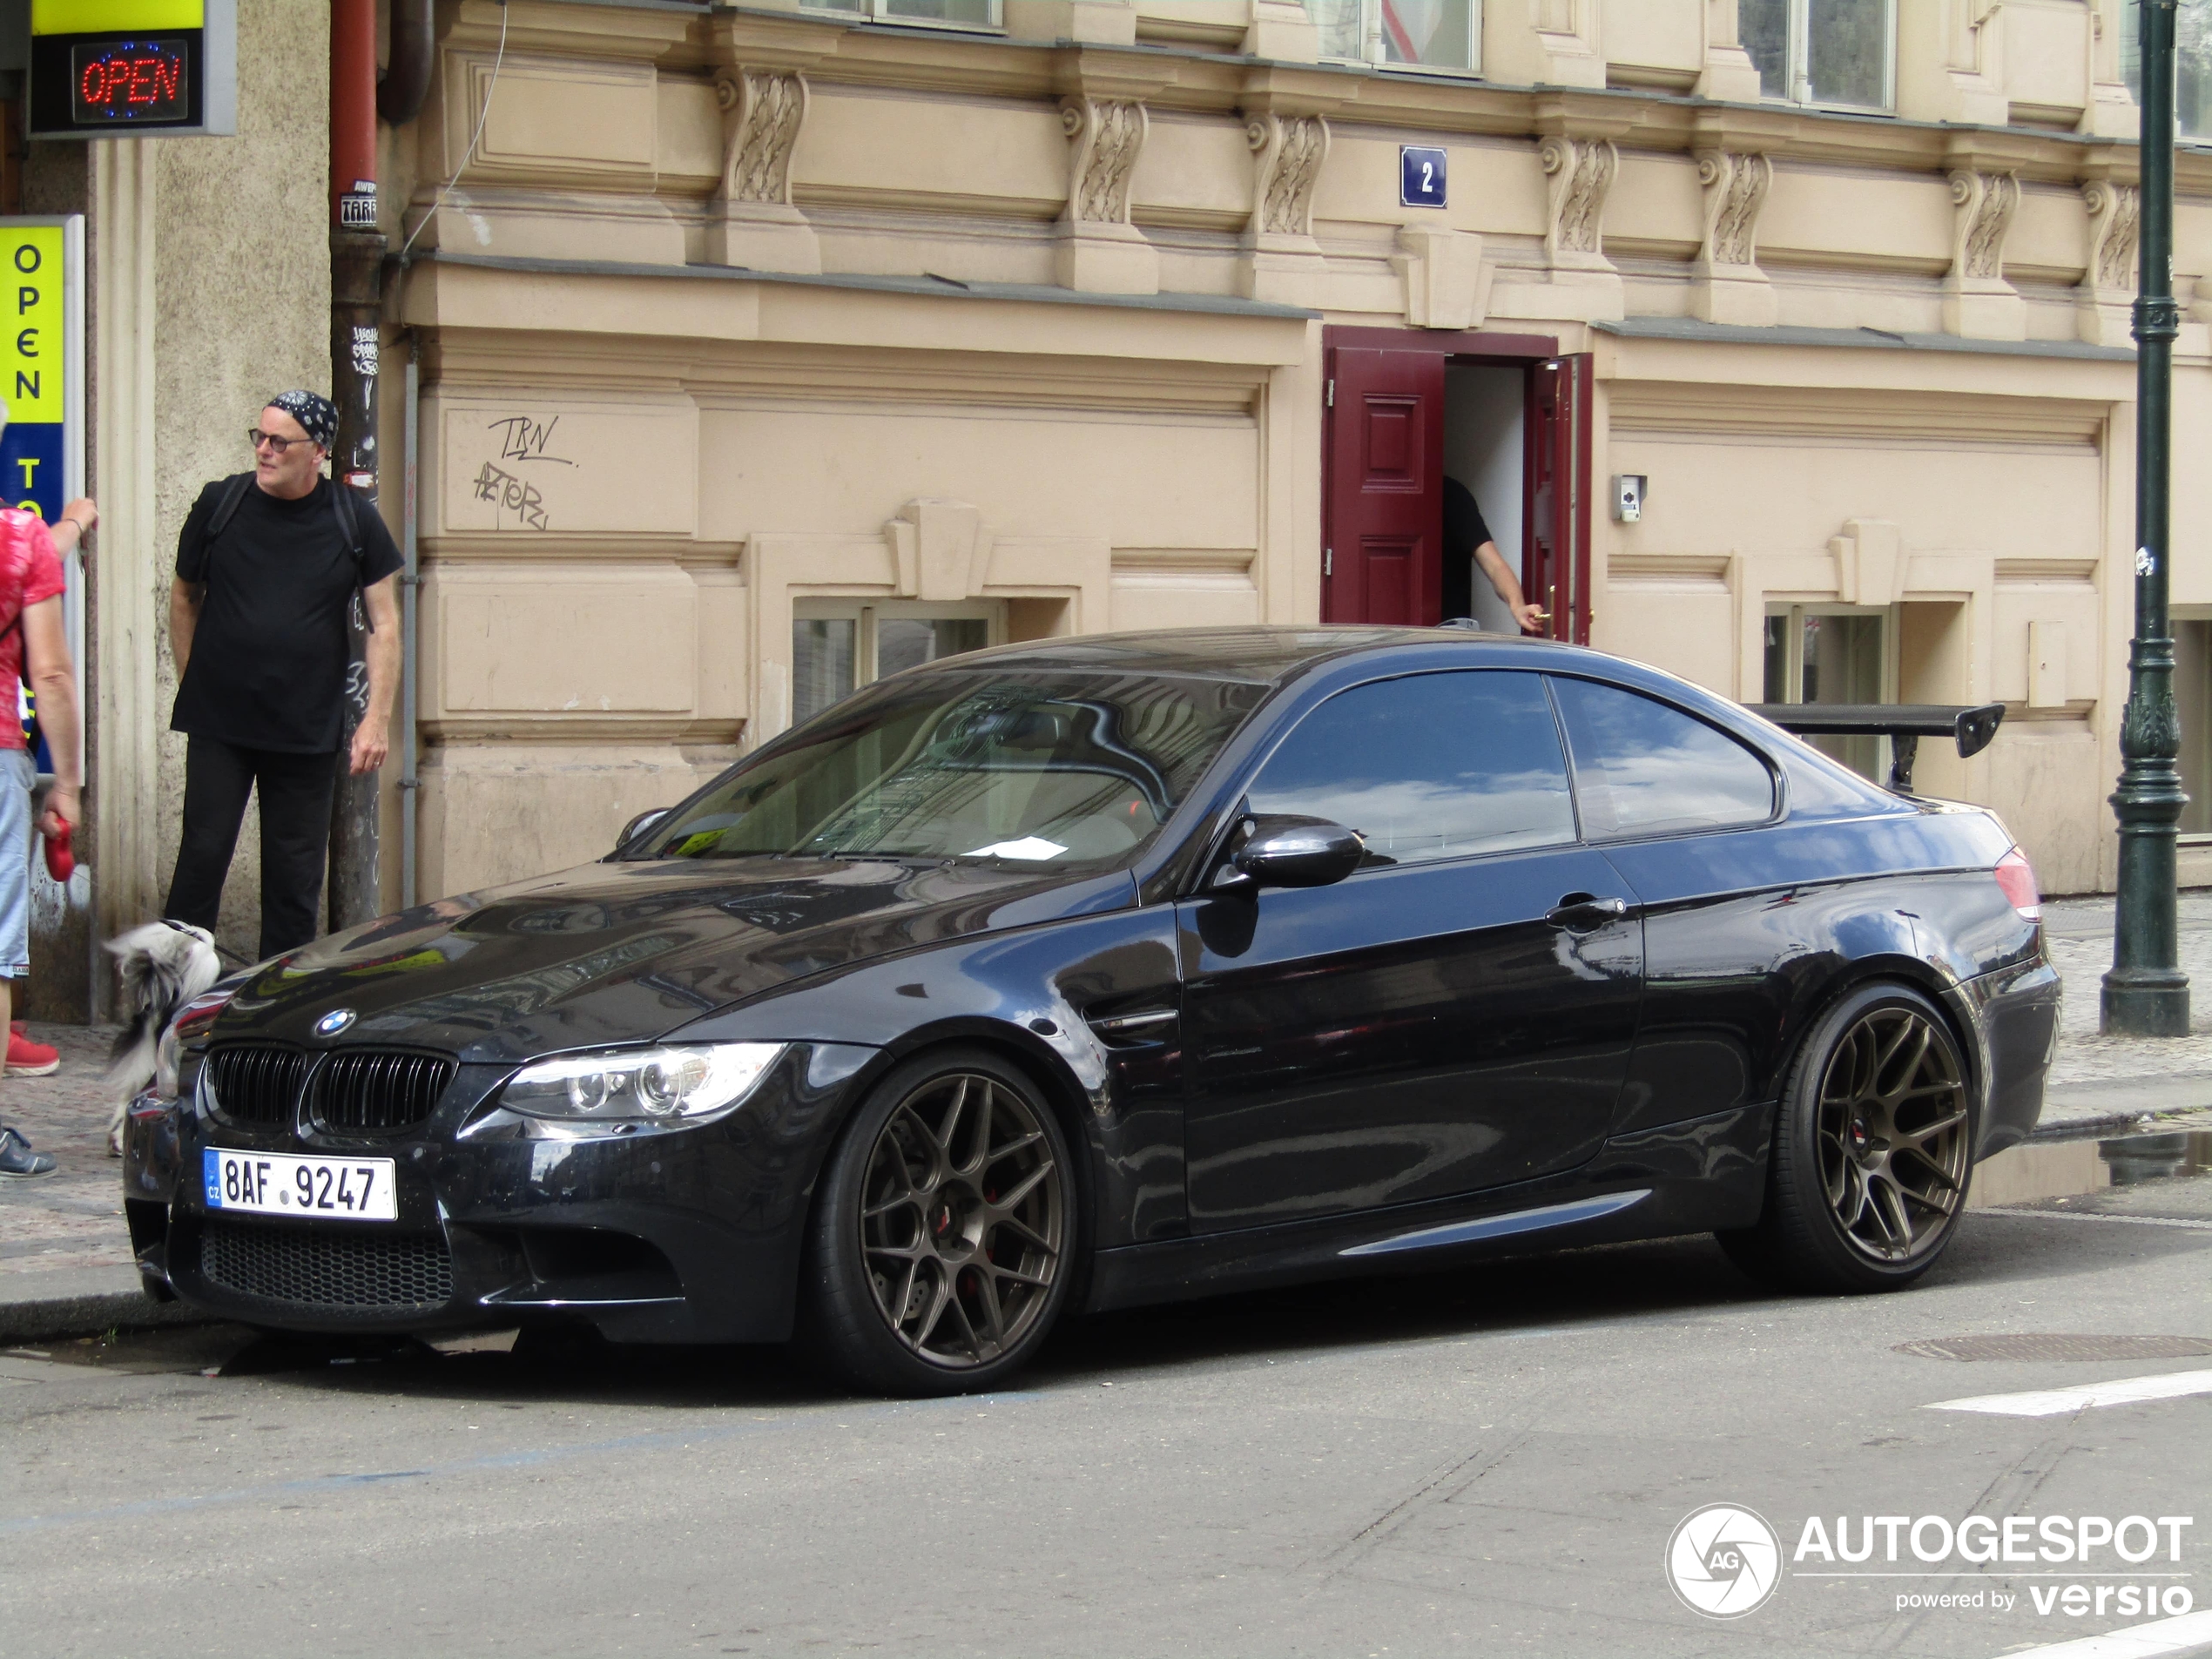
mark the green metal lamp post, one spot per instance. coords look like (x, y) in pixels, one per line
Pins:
(2145, 994)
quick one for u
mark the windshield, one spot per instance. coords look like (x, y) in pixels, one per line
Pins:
(1025, 769)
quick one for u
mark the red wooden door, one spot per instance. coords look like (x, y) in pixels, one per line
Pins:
(1555, 534)
(1383, 526)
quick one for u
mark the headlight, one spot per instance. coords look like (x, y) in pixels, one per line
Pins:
(669, 1085)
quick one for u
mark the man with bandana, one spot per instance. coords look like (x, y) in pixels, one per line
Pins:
(265, 572)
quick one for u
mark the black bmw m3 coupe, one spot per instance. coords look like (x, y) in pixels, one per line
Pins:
(1099, 972)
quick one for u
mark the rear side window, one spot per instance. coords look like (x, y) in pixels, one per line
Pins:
(1429, 766)
(1642, 768)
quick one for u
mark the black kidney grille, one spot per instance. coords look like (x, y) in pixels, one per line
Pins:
(364, 1270)
(254, 1084)
(369, 1089)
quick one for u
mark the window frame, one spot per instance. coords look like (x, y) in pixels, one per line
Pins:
(1372, 55)
(1793, 669)
(872, 11)
(1778, 778)
(1798, 49)
(865, 613)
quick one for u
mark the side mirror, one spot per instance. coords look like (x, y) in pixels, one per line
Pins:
(639, 824)
(1286, 851)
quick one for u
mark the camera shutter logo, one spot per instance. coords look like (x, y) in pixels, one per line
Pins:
(1724, 1562)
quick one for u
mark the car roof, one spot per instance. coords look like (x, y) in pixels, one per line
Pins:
(1257, 655)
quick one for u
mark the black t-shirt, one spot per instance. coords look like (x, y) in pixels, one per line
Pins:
(268, 655)
(1464, 532)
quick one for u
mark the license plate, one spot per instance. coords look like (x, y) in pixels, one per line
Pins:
(278, 1183)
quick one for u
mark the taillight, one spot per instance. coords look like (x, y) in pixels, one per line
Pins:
(2017, 876)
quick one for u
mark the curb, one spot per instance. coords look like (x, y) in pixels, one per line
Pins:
(2114, 1123)
(61, 1311)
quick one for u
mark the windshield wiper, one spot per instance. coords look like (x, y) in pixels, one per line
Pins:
(894, 855)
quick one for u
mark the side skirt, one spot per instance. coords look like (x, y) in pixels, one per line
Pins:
(1697, 1176)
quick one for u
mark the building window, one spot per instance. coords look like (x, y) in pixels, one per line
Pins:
(1421, 34)
(2192, 63)
(837, 647)
(1842, 52)
(1834, 654)
(967, 14)
(2193, 697)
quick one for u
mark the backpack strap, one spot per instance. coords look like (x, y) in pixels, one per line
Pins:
(226, 507)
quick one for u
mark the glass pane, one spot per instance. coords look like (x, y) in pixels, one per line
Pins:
(822, 664)
(2193, 697)
(1026, 770)
(834, 5)
(1430, 766)
(1338, 24)
(2192, 68)
(1763, 27)
(974, 11)
(1847, 51)
(1777, 660)
(1642, 768)
(908, 642)
(1844, 664)
(1439, 33)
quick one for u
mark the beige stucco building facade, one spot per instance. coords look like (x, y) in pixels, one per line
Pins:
(747, 338)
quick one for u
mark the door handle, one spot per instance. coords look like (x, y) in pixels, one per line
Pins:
(1582, 912)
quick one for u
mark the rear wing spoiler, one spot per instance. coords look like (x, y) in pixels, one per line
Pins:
(1904, 724)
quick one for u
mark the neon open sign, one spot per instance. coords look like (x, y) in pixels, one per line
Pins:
(118, 82)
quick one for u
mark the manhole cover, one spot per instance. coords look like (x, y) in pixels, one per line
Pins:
(2030, 1345)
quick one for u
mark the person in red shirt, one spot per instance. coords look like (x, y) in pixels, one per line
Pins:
(33, 637)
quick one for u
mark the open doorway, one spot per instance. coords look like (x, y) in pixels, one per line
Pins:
(1486, 409)
(1505, 416)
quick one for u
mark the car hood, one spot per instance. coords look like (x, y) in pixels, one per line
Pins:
(625, 952)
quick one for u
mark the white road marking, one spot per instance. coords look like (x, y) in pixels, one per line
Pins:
(2051, 1402)
(2138, 1642)
(2092, 1215)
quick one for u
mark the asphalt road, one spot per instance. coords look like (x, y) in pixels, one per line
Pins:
(1490, 1462)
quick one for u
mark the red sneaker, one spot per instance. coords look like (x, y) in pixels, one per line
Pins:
(29, 1059)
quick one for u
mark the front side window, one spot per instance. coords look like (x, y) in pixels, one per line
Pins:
(836, 649)
(1643, 768)
(1028, 770)
(1429, 766)
(1427, 34)
(1822, 51)
(974, 14)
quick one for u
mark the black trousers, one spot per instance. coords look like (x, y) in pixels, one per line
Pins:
(295, 836)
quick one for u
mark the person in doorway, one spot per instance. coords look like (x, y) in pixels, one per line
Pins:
(34, 644)
(1466, 545)
(267, 564)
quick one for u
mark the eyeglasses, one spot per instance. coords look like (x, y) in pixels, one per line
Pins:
(255, 436)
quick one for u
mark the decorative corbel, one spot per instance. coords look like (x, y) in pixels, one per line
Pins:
(1728, 285)
(1100, 250)
(751, 221)
(2107, 286)
(1282, 260)
(1581, 171)
(1977, 301)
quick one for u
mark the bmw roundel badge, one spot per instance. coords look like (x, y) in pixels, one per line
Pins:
(334, 1021)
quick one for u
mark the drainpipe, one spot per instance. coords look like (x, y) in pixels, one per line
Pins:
(356, 307)
(405, 80)
(411, 579)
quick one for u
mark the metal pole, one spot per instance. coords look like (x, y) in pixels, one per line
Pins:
(2145, 994)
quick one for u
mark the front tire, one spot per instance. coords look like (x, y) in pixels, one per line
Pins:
(1873, 1151)
(942, 1242)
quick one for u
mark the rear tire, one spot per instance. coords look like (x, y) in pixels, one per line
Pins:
(1873, 1151)
(944, 1235)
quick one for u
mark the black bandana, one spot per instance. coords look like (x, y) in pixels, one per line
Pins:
(317, 416)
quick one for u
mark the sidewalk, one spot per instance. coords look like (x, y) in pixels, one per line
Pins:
(66, 1257)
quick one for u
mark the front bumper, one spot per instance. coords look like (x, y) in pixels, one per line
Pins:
(689, 1234)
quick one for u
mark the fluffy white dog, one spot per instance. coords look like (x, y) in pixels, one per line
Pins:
(164, 965)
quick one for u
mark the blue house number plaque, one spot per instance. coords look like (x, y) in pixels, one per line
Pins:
(1420, 180)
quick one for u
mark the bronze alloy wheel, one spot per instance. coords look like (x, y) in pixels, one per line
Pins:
(1891, 1134)
(963, 1220)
